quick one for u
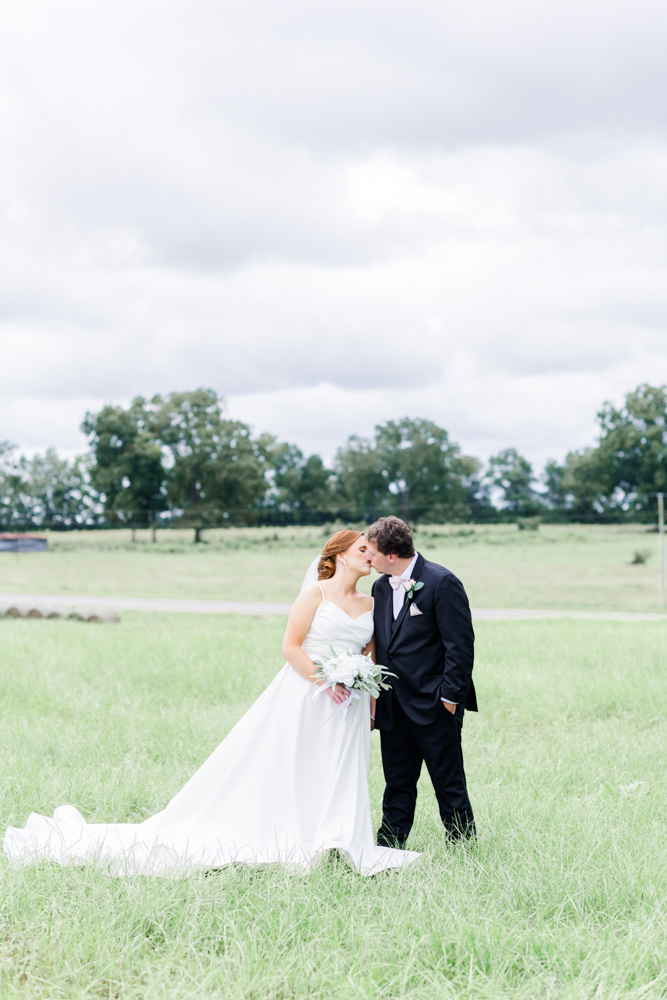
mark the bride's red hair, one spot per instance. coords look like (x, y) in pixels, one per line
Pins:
(337, 544)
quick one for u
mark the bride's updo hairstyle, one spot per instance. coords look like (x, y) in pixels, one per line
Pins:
(337, 544)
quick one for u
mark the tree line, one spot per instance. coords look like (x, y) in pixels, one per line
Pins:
(179, 460)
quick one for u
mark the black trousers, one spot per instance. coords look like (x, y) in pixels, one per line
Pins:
(404, 748)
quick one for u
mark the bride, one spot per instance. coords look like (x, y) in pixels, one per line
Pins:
(288, 783)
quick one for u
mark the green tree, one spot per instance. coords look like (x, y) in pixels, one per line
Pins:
(128, 470)
(554, 495)
(15, 505)
(512, 476)
(629, 465)
(45, 491)
(60, 492)
(361, 488)
(478, 491)
(216, 473)
(410, 468)
(425, 472)
(316, 495)
(300, 490)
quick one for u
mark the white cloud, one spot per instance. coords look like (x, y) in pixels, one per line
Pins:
(451, 212)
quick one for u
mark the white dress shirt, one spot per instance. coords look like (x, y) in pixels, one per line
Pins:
(399, 593)
(399, 596)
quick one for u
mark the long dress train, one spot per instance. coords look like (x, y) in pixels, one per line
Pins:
(289, 782)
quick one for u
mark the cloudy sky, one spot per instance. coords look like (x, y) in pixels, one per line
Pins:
(333, 214)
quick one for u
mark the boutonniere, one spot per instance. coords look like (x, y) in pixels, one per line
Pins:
(411, 587)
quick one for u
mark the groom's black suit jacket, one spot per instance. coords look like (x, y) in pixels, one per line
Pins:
(432, 653)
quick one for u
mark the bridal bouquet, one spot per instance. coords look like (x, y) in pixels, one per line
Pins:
(354, 671)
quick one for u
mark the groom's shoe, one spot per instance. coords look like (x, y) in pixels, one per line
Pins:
(389, 838)
(394, 842)
(460, 828)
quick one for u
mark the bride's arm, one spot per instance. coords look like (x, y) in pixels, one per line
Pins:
(370, 648)
(298, 625)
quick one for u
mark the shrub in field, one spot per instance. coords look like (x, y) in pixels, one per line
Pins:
(528, 523)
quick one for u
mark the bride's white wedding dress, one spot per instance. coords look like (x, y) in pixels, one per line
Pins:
(289, 782)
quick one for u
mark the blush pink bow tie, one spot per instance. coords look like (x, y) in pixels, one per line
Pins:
(398, 581)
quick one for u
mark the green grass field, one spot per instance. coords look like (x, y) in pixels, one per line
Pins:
(569, 566)
(564, 896)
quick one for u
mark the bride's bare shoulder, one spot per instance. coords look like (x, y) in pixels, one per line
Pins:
(310, 597)
(368, 602)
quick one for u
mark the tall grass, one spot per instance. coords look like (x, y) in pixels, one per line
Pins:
(563, 896)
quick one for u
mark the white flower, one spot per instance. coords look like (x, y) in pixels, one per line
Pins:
(353, 670)
(343, 673)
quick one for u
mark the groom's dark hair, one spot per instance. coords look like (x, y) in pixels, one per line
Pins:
(391, 537)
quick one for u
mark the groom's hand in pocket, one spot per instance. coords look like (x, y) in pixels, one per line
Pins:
(450, 706)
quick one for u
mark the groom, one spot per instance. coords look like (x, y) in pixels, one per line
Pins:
(424, 635)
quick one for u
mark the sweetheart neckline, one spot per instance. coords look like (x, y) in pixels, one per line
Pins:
(327, 601)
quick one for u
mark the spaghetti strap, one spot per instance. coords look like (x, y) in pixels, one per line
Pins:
(321, 591)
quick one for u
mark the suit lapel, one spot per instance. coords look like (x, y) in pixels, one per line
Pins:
(416, 573)
(395, 625)
(388, 610)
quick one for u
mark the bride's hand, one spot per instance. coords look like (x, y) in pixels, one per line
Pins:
(339, 694)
